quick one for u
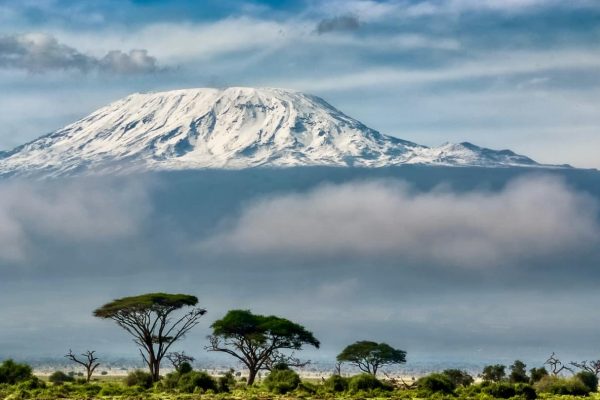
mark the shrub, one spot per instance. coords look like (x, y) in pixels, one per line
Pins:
(499, 390)
(139, 378)
(59, 377)
(364, 382)
(32, 383)
(493, 373)
(436, 383)
(282, 381)
(537, 374)
(226, 382)
(196, 380)
(589, 379)
(562, 386)
(458, 377)
(336, 384)
(12, 372)
(525, 391)
(185, 367)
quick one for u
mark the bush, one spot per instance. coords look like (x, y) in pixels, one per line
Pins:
(562, 386)
(185, 367)
(282, 381)
(537, 374)
(139, 378)
(589, 379)
(525, 391)
(12, 372)
(336, 384)
(493, 373)
(226, 382)
(364, 382)
(32, 383)
(196, 380)
(458, 377)
(499, 390)
(436, 383)
(59, 377)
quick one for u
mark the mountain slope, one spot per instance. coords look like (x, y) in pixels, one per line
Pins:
(229, 128)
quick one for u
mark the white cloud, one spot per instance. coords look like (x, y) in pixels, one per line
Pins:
(67, 212)
(532, 218)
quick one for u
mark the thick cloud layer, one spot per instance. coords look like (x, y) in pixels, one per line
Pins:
(35, 52)
(532, 218)
(75, 212)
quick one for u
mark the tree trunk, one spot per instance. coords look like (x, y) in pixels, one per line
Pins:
(156, 371)
(89, 375)
(251, 376)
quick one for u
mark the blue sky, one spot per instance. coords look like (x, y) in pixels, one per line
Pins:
(521, 74)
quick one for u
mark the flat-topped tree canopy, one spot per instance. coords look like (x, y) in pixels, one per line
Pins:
(369, 356)
(260, 328)
(146, 302)
(150, 319)
(256, 340)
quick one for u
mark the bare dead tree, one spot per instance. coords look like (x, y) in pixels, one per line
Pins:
(89, 362)
(590, 366)
(556, 366)
(178, 358)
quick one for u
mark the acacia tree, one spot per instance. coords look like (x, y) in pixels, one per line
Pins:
(257, 340)
(89, 362)
(149, 319)
(370, 356)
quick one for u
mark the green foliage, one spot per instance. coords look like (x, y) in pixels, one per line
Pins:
(257, 339)
(458, 377)
(195, 381)
(336, 384)
(364, 382)
(369, 356)
(143, 302)
(185, 367)
(537, 373)
(139, 378)
(518, 372)
(589, 379)
(259, 328)
(59, 377)
(562, 386)
(226, 382)
(493, 373)
(436, 383)
(12, 372)
(282, 381)
(499, 390)
(32, 383)
(526, 391)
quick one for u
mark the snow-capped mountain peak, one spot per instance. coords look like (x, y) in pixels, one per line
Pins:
(228, 128)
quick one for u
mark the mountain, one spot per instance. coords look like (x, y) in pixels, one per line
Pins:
(228, 128)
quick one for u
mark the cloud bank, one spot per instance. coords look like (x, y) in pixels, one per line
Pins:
(38, 53)
(72, 213)
(532, 218)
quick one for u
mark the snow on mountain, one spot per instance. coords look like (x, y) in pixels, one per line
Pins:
(228, 128)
